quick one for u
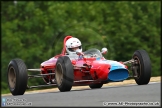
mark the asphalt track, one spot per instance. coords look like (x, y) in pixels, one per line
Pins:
(124, 95)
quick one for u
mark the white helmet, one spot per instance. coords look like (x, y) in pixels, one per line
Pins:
(72, 43)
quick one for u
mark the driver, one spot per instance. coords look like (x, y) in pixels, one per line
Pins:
(72, 45)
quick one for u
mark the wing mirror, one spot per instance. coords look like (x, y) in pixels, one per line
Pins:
(104, 50)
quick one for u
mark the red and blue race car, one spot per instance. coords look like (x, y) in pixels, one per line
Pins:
(91, 69)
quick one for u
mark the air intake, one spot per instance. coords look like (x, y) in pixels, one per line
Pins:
(118, 75)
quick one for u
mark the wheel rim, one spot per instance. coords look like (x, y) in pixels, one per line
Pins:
(138, 67)
(12, 77)
(59, 74)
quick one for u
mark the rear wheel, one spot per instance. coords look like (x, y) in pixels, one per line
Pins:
(93, 86)
(17, 77)
(142, 67)
(64, 74)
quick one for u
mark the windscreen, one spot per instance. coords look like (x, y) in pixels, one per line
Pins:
(92, 53)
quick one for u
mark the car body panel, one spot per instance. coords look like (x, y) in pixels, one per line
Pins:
(92, 66)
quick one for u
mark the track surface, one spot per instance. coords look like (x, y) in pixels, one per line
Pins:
(96, 97)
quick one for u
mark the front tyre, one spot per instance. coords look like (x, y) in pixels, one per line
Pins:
(17, 77)
(143, 64)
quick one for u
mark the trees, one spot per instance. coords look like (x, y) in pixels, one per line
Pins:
(35, 30)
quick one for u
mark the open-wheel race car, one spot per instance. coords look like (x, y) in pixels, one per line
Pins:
(91, 69)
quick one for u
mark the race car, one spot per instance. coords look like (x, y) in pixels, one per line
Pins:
(84, 68)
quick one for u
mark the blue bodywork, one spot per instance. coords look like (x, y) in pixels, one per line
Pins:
(117, 72)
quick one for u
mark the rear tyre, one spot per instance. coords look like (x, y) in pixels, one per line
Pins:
(93, 86)
(143, 67)
(64, 74)
(17, 77)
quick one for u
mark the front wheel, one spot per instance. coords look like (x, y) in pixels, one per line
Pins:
(142, 67)
(17, 77)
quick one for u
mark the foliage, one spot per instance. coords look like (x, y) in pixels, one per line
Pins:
(34, 30)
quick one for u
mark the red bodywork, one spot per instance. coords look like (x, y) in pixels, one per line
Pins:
(83, 75)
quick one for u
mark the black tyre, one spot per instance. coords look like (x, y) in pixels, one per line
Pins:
(93, 86)
(143, 67)
(17, 77)
(64, 74)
